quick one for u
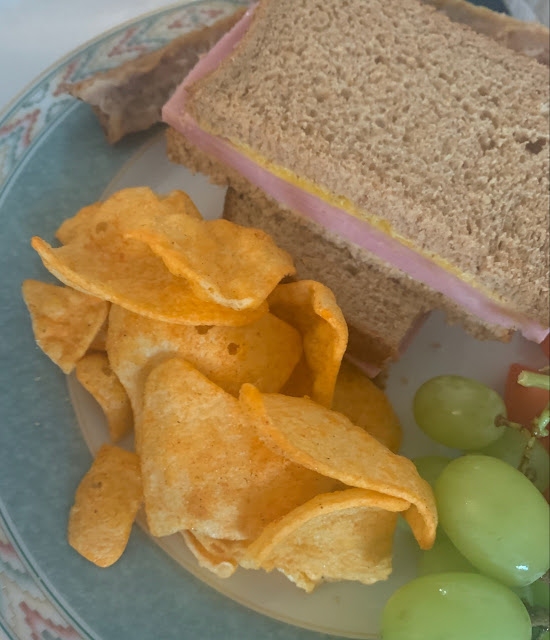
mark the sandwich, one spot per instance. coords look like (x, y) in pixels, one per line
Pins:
(405, 141)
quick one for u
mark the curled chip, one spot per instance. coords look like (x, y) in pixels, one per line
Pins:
(219, 556)
(223, 548)
(367, 406)
(99, 343)
(345, 535)
(204, 468)
(311, 308)
(71, 228)
(106, 503)
(128, 207)
(64, 321)
(225, 263)
(263, 353)
(179, 202)
(327, 442)
(97, 377)
(98, 260)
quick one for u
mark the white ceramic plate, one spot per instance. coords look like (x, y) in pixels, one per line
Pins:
(54, 160)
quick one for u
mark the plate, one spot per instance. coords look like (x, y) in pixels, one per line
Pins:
(54, 160)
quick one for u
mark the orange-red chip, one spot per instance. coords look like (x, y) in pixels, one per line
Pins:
(73, 227)
(328, 443)
(264, 352)
(204, 467)
(221, 557)
(345, 535)
(99, 343)
(225, 263)
(179, 202)
(64, 321)
(312, 309)
(96, 376)
(100, 261)
(367, 406)
(106, 503)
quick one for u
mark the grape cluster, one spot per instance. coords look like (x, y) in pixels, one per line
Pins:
(492, 547)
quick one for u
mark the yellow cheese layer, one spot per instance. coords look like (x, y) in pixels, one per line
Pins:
(341, 202)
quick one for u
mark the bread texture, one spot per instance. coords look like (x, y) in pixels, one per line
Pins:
(417, 121)
(129, 98)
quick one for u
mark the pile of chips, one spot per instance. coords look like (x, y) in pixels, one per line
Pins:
(253, 439)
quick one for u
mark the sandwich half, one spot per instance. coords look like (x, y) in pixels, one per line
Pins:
(414, 139)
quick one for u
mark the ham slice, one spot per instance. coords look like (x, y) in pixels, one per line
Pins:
(336, 220)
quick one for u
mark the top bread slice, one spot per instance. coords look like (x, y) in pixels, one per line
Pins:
(420, 123)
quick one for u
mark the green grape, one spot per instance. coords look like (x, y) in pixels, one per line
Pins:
(495, 517)
(429, 467)
(443, 557)
(458, 412)
(525, 594)
(510, 448)
(403, 525)
(455, 606)
(541, 594)
(536, 594)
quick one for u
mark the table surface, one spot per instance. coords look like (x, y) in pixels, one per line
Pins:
(36, 33)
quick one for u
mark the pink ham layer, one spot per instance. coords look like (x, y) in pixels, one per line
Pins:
(334, 219)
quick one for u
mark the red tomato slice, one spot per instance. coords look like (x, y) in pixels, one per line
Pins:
(545, 346)
(523, 404)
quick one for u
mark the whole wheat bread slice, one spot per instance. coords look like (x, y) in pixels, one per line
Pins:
(129, 98)
(417, 121)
